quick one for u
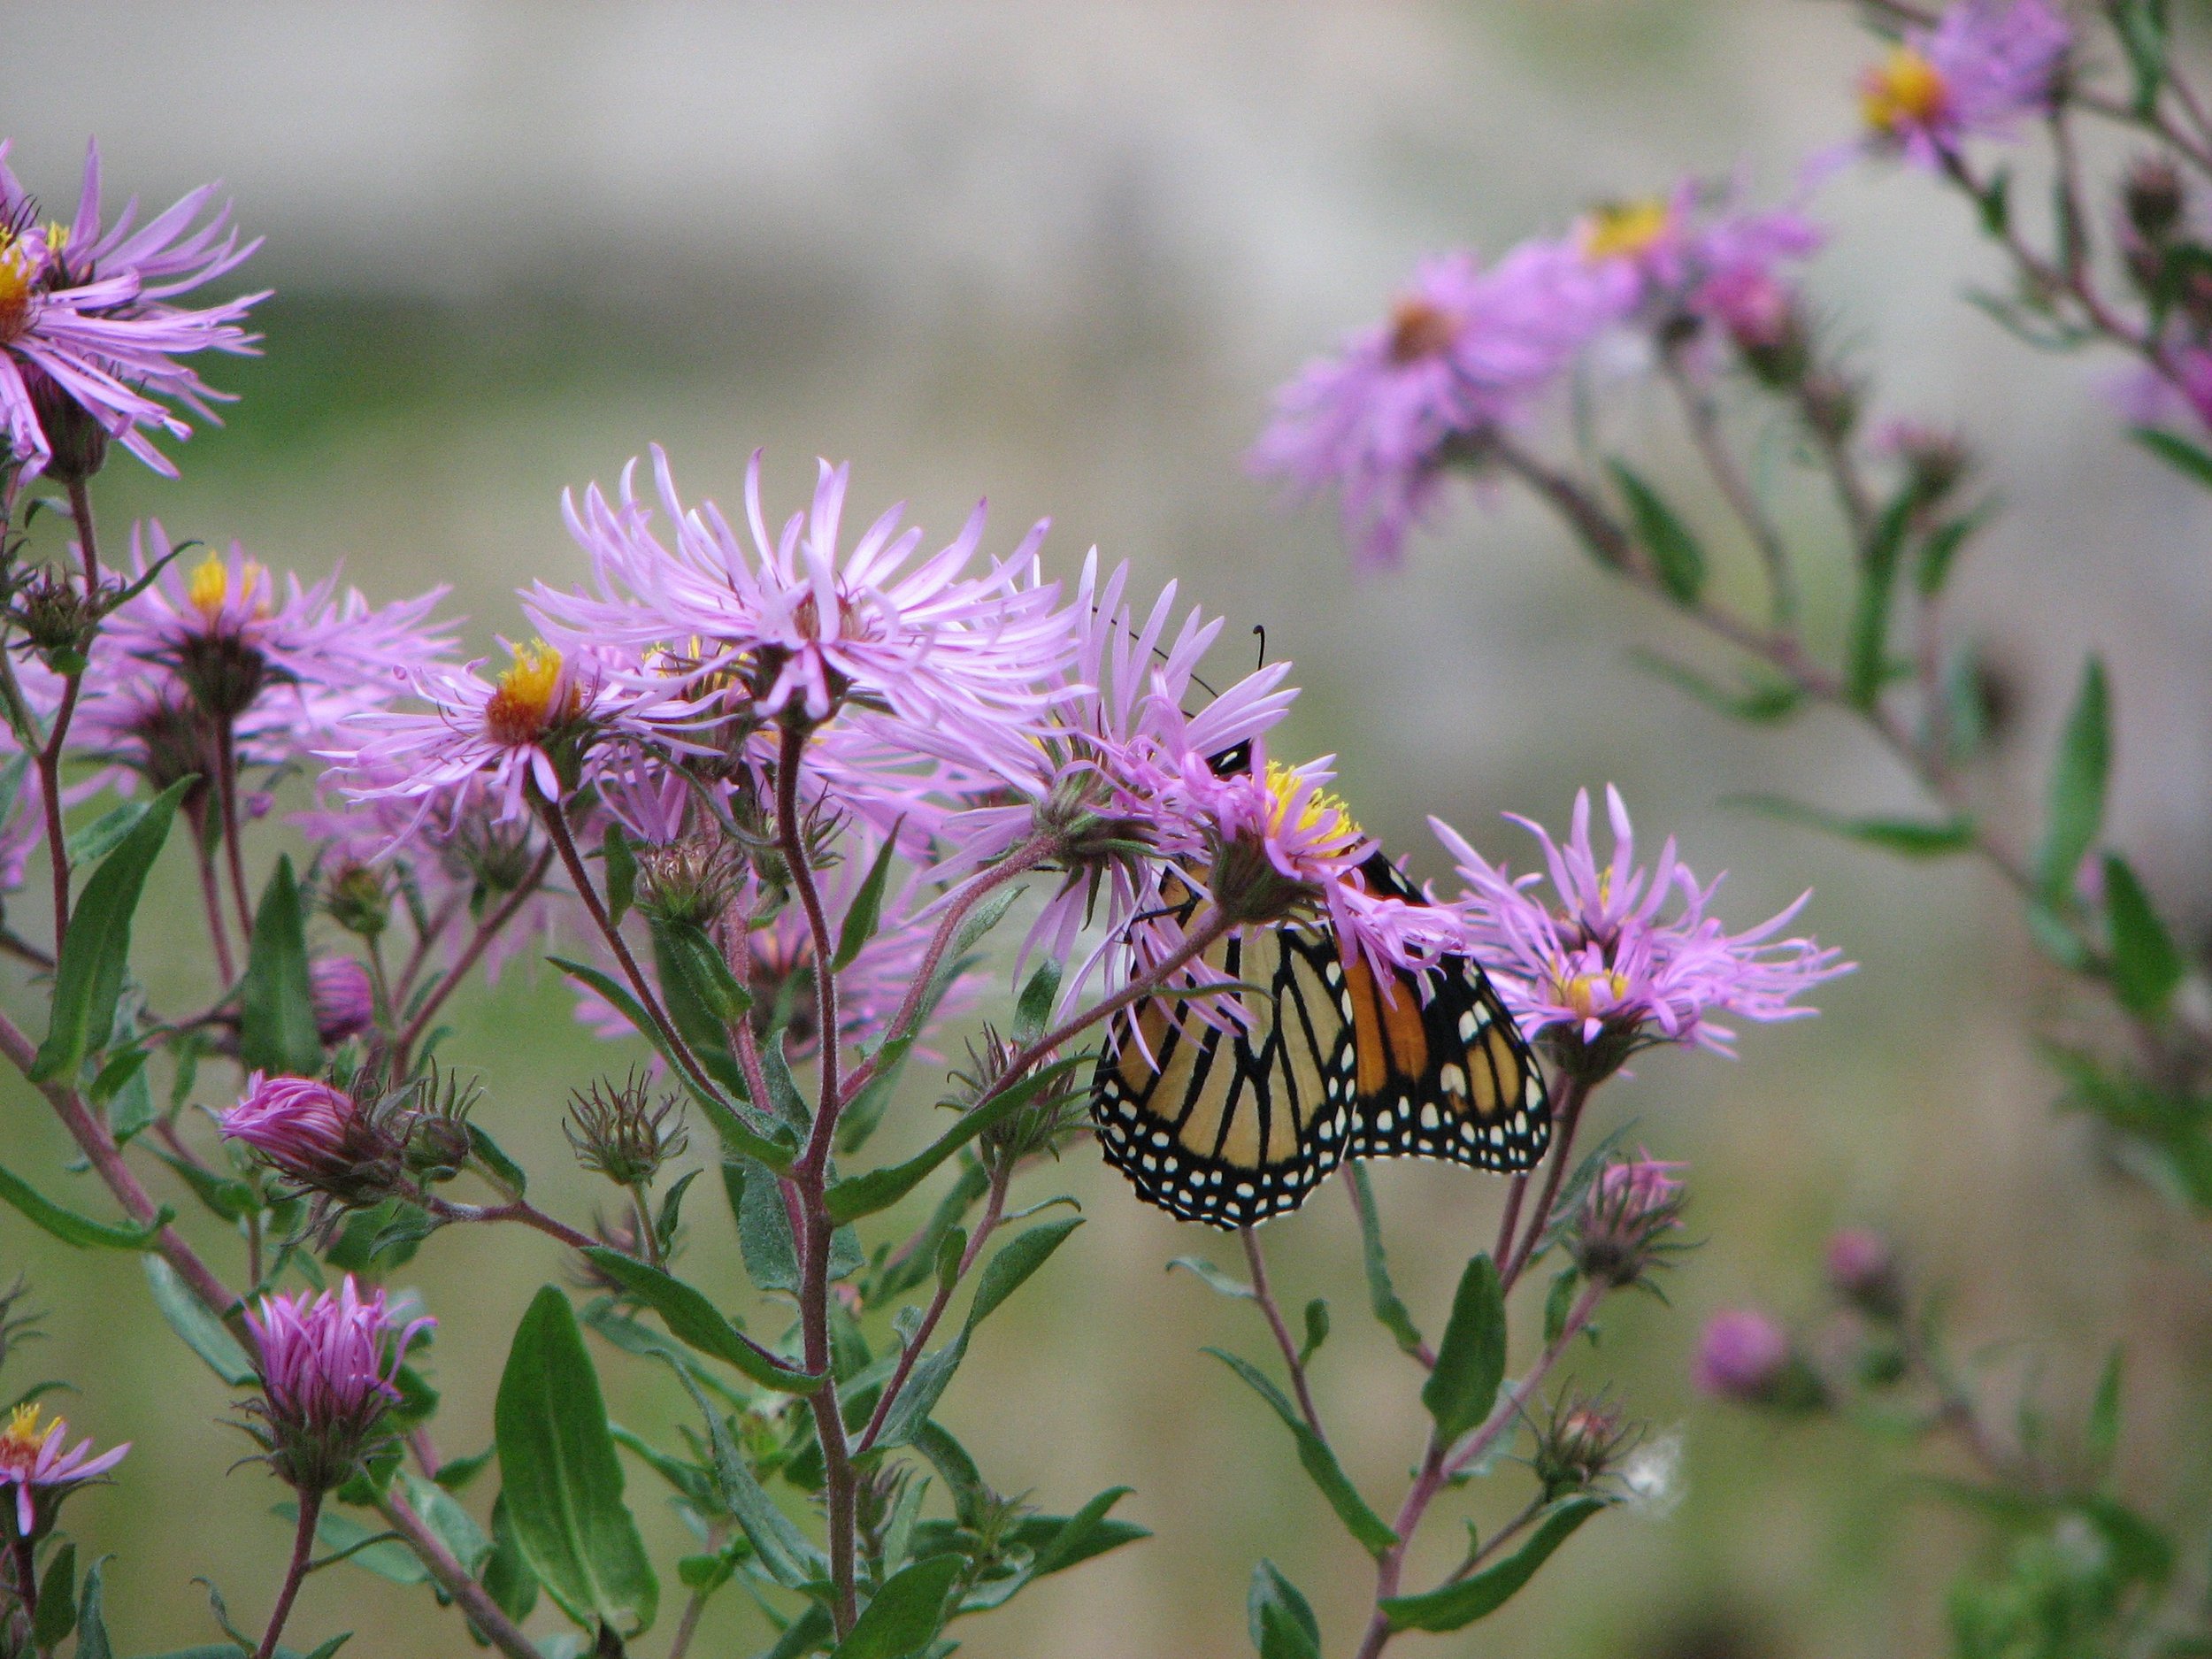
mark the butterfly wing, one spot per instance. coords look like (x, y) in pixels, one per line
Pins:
(1232, 1126)
(1440, 1070)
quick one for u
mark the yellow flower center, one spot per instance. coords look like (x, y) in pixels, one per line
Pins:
(207, 590)
(1578, 991)
(1320, 815)
(21, 1440)
(19, 273)
(530, 698)
(1621, 230)
(1419, 329)
(1904, 90)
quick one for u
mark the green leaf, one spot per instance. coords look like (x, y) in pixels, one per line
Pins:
(1316, 1330)
(2147, 967)
(562, 1480)
(1319, 1462)
(705, 972)
(1762, 701)
(694, 1320)
(1559, 1303)
(906, 1614)
(1676, 558)
(1214, 1278)
(671, 1209)
(790, 1558)
(2075, 812)
(1470, 1358)
(1940, 551)
(861, 1195)
(1004, 1274)
(2101, 1437)
(1281, 1620)
(736, 1134)
(202, 1331)
(763, 1224)
(2141, 25)
(1033, 1014)
(276, 1022)
(56, 1599)
(866, 909)
(89, 978)
(1866, 659)
(2178, 453)
(74, 1229)
(97, 839)
(503, 1170)
(1908, 838)
(1390, 1311)
(1458, 1605)
(621, 863)
(92, 1629)
(340, 1537)
(1084, 1535)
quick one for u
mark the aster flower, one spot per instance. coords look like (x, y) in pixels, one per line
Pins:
(789, 626)
(34, 1458)
(329, 1369)
(1862, 1269)
(344, 999)
(1464, 351)
(89, 337)
(1629, 958)
(1622, 1231)
(1985, 65)
(317, 1136)
(1743, 1355)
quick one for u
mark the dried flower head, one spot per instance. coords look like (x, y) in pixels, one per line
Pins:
(622, 1133)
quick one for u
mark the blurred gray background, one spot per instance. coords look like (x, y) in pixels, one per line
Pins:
(1059, 256)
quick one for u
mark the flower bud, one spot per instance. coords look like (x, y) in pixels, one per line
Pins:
(1831, 404)
(359, 898)
(1863, 1270)
(329, 1370)
(623, 1134)
(317, 1136)
(57, 618)
(2153, 198)
(1581, 1445)
(1744, 1356)
(344, 999)
(690, 881)
(79, 441)
(1934, 461)
(1621, 1234)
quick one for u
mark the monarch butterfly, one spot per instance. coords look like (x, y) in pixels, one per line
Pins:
(1232, 1126)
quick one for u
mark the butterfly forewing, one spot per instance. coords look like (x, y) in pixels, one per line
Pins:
(1229, 1126)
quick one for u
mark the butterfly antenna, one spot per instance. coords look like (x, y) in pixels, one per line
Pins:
(1260, 628)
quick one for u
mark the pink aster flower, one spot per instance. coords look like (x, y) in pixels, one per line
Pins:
(1742, 1355)
(1983, 66)
(344, 999)
(89, 337)
(318, 1136)
(1621, 1233)
(329, 1369)
(34, 1458)
(762, 626)
(1464, 351)
(1628, 957)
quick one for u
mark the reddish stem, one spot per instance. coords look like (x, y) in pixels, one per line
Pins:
(994, 1207)
(302, 1548)
(486, 930)
(1264, 1294)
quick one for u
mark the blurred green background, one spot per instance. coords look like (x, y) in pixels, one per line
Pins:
(1060, 256)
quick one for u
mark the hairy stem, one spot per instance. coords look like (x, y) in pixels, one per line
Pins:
(528, 1214)
(1563, 1145)
(212, 899)
(233, 850)
(1264, 1294)
(791, 837)
(302, 1548)
(454, 1579)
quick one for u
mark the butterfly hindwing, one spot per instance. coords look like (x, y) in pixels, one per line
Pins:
(1440, 1069)
(1232, 1126)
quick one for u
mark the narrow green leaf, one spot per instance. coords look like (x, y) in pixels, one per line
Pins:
(1319, 1462)
(1940, 551)
(1866, 661)
(2178, 453)
(202, 1331)
(562, 1480)
(1316, 1330)
(92, 1629)
(694, 1320)
(1676, 556)
(861, 1195)
(89, 978)
(1033, 1014)
(763, 1224)
(1470, 1358)
(2101, 1437)
(1213, 1277)
(866, 910)
(1281, 1620)
(1908, 838)
(1390, 1311)
(736, 1134)
(906, 1614)
(2074, 813)
(809, 1633)
(671, 1208)
(1559, 1303)
(74, 1229)
(1004, 1274)
(621, 863)
(1458, 1605)
(276, 1022)
(1085, 1534)
(503, 1170)
(858, 1120)
(904, 1273)
(2147, 967)
(95, 841)
(705, 974)
(2141, 25)
(1762, 701)
(56, 1599)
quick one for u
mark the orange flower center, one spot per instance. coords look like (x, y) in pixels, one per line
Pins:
(1578, 991)
(1903, 92)
(1419, 329)
(1622, 230)
(531, 697)
(21, 1440)
(19, 276)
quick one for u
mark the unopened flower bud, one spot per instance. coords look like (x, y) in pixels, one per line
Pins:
(344, 999)
(623, 1132)
(1935, 462)
(358, 897)
(1622, 1230)
(690, 881)
(57, 618)
(2153, 197)
(329, 1368)
(79, 441)
(1863, 1270)
(1743, 1355)
(1831, 404)
(1581, 1445)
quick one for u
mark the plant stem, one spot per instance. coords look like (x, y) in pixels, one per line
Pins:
(791, 836)
(485, 931)
(1498, 1539)
(234, 853)
(516, 1209)
(648, 1240)
(1501, 1252)
(454, 1578)
(212, 899)
(303, 1547)
(50, 756)
(688, 1626)
(1264, 1294)
(26, 1578)
(1570, 1120)
(1704, 423)
(994, 1207)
